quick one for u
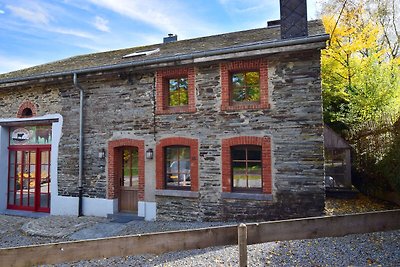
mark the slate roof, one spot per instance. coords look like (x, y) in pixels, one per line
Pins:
(196, 45)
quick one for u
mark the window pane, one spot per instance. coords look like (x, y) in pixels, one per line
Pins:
(238, 153)
(238, 80)
(11, 184)
(238, 94)
(252, 78)
(254, 174)
(253, 93)
(19, 157)
(245, 86)
(11, 197)
(246, 167)
(125, 181)
(178, 92)
(12, 157)
(130, 167)
(44, 200)
(254, 153)
(45, 157)
(239, 174)
(177, 160)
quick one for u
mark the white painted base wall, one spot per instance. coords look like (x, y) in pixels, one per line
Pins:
(3, 168)
(148, 210)
(99, 206)
(90, 206)
(64, 205)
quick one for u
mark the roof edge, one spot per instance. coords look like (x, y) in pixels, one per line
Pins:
(206, 53)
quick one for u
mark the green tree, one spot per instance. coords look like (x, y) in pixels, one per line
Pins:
(360, 77)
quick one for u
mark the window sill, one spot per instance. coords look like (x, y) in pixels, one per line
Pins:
(177, 193)
(249, 196)
(244, 107)
(176, 110)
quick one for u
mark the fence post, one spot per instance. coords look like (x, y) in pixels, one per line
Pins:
(242, 242)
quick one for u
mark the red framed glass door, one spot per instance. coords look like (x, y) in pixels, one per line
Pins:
(29, 178)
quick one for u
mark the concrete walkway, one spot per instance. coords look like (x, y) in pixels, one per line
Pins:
(99, 230)
(65, 226)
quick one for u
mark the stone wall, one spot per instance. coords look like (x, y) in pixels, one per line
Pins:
(294, 123)
(45, 97)
(120, 104)
(114, 103)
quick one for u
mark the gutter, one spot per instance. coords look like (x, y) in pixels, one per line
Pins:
(80, 177)
(190, 56)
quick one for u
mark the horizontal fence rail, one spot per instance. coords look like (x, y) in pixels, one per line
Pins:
(157, 243)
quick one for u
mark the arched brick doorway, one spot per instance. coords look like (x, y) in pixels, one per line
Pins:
(126, 173)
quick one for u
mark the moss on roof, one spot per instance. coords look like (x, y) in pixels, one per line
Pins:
(115, 57)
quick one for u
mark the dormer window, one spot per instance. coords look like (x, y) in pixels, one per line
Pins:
(142, 53)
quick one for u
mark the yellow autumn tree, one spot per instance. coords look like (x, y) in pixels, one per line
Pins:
(360, 82)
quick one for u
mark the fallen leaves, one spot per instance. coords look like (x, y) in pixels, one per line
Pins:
(362, 203)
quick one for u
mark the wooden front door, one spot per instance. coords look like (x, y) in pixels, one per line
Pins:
(129, 180)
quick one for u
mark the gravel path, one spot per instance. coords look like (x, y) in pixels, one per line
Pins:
(374, 249)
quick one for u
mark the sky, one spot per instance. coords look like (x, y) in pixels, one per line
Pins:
(34, 32)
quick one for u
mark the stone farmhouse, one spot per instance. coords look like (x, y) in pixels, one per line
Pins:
(224, 127)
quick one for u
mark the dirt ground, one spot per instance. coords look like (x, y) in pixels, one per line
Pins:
(361, 203)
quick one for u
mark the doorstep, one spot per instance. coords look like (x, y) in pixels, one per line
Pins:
(24, 213)
(124, 217)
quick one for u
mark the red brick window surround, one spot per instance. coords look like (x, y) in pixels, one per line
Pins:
(174, 142)
(264, 143)
(115, 150)
(244, 67)
(26, 110)
(164, 79)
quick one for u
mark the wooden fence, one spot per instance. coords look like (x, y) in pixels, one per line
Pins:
(157, 243)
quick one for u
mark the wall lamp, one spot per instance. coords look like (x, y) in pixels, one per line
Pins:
(149, 153)
(102, 154)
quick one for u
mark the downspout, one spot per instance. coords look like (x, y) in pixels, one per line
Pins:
(80, 177)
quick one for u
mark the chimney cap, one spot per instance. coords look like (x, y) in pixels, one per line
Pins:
(274, 23)
(170, 38)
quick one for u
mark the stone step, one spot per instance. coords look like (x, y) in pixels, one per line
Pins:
(23, 213)
(123, 217)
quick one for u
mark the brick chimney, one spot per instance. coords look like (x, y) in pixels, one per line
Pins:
(293, 18)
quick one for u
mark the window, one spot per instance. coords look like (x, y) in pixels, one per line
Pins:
(175, 91)
(246, 164)
(26, 110)
(177, 166)
(178, 92)
(244, 85)
(27, 113)
(246, 168)
(130, 167)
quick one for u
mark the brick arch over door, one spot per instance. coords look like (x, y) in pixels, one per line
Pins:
(114, 160)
